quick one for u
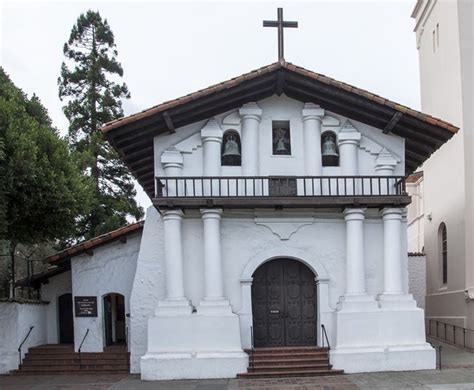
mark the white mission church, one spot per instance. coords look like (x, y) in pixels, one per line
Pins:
(278, 224)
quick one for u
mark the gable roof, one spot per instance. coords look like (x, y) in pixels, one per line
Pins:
(132, 136)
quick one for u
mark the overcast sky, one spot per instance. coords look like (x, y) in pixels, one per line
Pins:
(169, 49)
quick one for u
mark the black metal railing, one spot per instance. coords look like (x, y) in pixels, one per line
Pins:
(21, 345)
(278, 186)
(80, 348)
(252, 347)
(450, 334)
(325, 337)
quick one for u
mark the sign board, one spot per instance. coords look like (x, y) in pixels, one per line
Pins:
(85, 306)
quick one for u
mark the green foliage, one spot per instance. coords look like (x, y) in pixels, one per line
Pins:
(43, 192)
(89, 85)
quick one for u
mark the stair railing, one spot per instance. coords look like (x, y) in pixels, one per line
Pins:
(23, 342)
(252, 347)
(80, 347)
(323, 331)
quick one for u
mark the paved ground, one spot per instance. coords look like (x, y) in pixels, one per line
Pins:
(457, 373)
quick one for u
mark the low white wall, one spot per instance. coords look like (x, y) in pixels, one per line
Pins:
(417, 278)
(15, 321)
(110, 269)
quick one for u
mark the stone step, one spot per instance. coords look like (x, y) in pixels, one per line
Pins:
(311, 348)
(300, 355)
(286, 374)
(62, 362)
(73, 355)
(288, 361)
(300, 367)
(67, 372)
(74, 368)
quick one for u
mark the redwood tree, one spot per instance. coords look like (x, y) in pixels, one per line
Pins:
(91, 88)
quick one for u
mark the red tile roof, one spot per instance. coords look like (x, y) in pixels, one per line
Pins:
(414, 177)
(94, 242)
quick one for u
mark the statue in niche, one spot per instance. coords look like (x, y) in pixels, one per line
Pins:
(281, 141)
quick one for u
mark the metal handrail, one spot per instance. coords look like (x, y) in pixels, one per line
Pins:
(323, 328)
(444, 334)
(23, 342)
(278, 186)
(80, 347)
(252, 346)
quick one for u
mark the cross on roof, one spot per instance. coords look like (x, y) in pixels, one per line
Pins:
(280, 23)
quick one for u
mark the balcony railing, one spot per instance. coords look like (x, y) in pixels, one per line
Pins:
(279, 186)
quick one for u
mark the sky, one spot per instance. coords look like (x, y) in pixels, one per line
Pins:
(171, 48)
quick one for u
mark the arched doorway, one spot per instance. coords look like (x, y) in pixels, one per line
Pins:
(284, 304)
(66, 319)
(114, 319)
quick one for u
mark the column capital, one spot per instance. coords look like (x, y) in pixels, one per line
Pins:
(211, 213)
(348, 135)
(169, 215)
(172, 159)
(312, 111)
(246, 281)
(394, 213)
(212, 131)
(385, 161)
(353, 214)
(251, 111)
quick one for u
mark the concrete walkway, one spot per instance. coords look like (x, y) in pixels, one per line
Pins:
(460, 375)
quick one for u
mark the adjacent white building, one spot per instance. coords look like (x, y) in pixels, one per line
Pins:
(444, 38)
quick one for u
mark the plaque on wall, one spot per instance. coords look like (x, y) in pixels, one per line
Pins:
(85, 306)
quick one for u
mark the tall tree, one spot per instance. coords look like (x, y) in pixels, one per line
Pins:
(43, 193)
(89, 84)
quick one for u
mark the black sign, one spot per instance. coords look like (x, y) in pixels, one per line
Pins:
(85, 306)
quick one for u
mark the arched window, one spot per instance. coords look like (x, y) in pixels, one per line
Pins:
(231, 149)
(329, 149)
(443, 252)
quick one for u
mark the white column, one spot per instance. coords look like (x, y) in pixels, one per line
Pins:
(348, 142)
(385, 166)
(355, 296)
(211, 135)
(392, 240)
(251, 115)
(172, 163)
(312, 119)
(175, 301)
(214, 301)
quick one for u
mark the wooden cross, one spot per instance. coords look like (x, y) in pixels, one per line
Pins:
(280, 24)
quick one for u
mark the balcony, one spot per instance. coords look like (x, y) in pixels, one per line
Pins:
(280, 191)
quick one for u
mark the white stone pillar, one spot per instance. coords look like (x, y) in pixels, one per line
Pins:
(245, 313)
(312, 119)
(356, 292)
(175, 301)
(385, 166)
(214, 301)
(172, 163)
(251, 115)
(211, 135)
(348, 142)
(392, 240)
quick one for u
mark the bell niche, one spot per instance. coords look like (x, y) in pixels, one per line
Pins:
(231, 149)
(329, 149)
(281, 137)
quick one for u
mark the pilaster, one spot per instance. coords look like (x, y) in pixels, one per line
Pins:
(211, 135)
(348, 142)
(251, 115)
(312, 118)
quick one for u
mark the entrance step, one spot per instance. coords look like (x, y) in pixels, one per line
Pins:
(277, 362)
(61, 359)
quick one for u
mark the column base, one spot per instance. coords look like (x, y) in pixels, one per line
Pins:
(396, 301)
(193, 346)
(214, 307)
(356, 303)
(380, 358)
(173, 307)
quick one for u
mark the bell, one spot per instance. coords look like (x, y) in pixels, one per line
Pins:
(281, 146)
(329, 147)
(231, 147)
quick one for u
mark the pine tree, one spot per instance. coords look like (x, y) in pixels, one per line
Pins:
(88, 83)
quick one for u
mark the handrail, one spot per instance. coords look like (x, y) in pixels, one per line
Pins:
(445, 336)
(23, 342)
(252, 347)
(80, 347)
(323, 328)
(278, 186)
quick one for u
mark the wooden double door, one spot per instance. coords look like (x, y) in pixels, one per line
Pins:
(284, 304)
